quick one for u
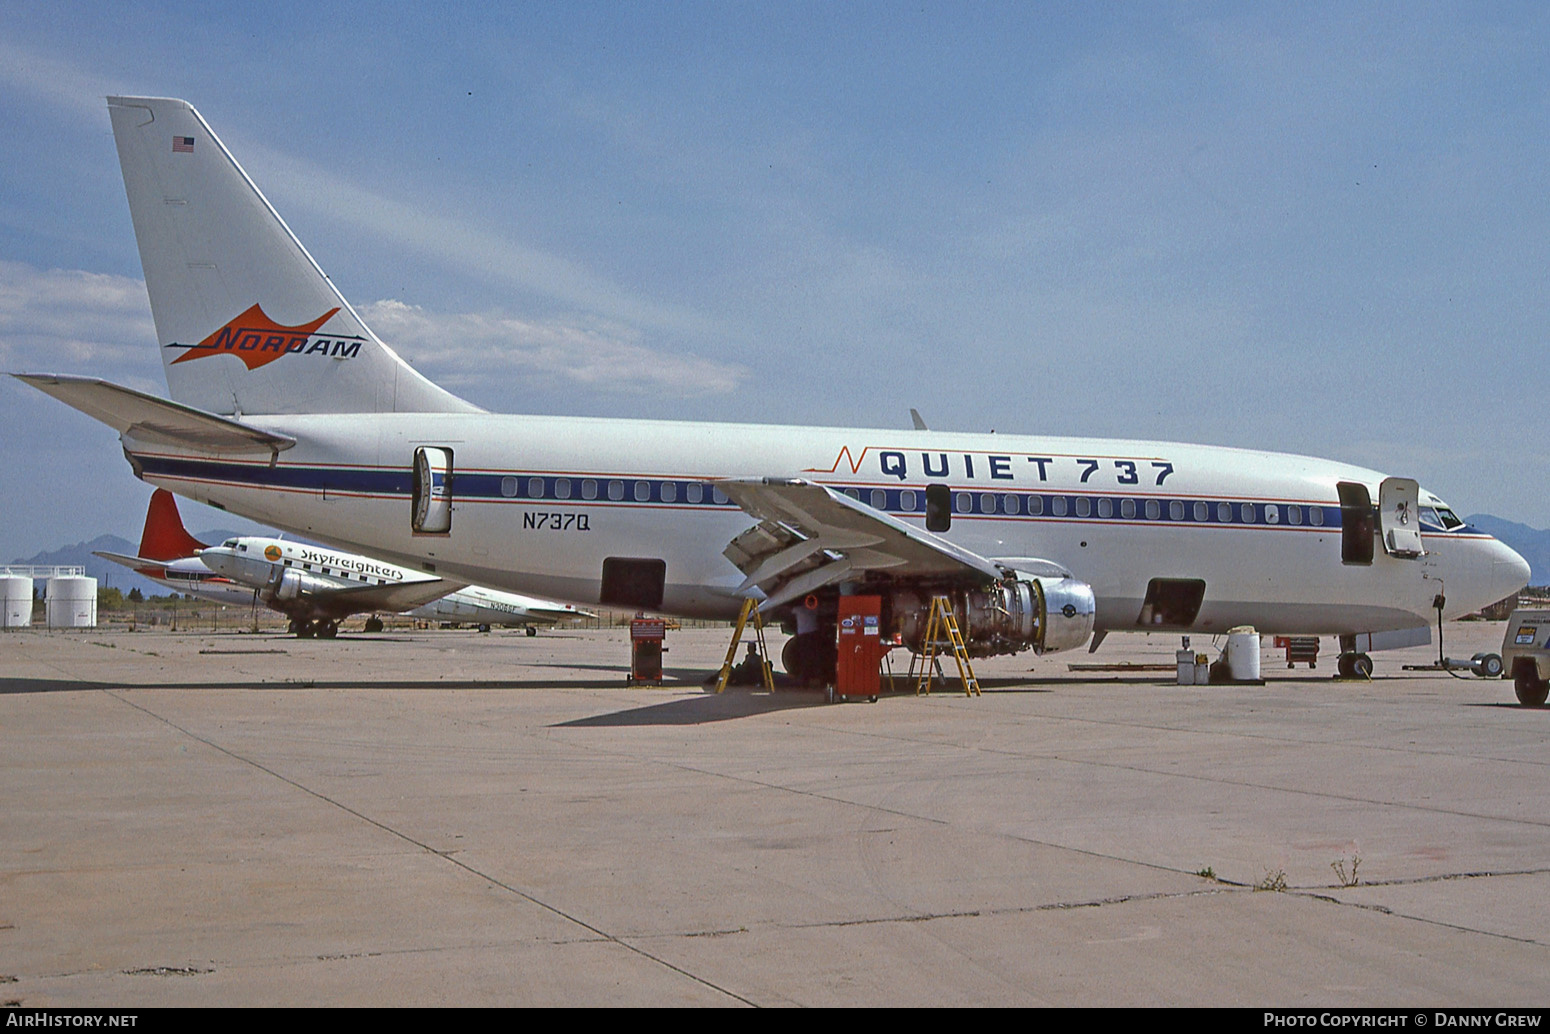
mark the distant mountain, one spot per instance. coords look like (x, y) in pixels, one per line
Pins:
(107, 572)
(1531, 543)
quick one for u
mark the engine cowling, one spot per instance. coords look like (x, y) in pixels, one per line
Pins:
(1043, 613)
(293, 584)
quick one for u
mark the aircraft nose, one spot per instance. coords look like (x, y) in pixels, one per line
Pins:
(1509, 571)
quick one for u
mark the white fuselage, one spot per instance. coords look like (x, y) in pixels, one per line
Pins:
(540, 502)
(190, 575)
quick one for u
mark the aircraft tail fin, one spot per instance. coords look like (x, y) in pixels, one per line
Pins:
(164, 537)
(246, 320)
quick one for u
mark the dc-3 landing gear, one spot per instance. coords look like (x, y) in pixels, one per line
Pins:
(314, 629)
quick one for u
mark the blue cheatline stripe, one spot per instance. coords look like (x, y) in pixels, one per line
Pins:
(551, 488)
(342, 479)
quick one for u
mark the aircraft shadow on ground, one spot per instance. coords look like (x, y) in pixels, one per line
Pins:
(9, 686)
(748, 701)
(754, 700)
(736, 702)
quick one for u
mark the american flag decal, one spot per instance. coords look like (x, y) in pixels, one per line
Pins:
(183, 145)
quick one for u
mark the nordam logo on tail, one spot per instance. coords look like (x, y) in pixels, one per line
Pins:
(258, 340)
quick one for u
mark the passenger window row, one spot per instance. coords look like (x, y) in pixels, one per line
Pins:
(1102, 507)
(615, 491)
(909, 501)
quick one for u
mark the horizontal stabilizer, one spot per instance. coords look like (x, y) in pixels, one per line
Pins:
(147, 418)
(134, 563)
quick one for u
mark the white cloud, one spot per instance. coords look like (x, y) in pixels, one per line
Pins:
(469, 249)
(74, 321)
(55, 82)
(68, 320)
(460, 350)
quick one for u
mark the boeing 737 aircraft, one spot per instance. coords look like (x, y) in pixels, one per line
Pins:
(288, 409)
(316, 588)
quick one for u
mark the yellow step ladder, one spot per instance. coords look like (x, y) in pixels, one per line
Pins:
(750, 609)
(942, 621)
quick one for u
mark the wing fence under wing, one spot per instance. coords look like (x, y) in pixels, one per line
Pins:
(810, 536)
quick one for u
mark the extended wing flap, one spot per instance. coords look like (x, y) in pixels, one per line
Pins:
(810, 536)
(147, 418)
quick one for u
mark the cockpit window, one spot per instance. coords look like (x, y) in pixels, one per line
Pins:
(229, 543)
(1439, 518)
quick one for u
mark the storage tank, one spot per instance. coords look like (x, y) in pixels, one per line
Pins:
(72, 602)
(15, 601)
(1243, 654)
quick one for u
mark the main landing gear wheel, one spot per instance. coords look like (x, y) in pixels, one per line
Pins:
(531, 630)
(373, 624)
(327, 629)
(810, 658)
(1353, 666)
(1531, 689)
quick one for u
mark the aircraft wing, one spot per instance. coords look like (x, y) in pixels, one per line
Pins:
(393, 598)
(151, 419)
(809, 536)
(539, 610)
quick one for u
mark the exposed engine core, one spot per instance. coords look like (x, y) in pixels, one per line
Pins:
(1023, 612)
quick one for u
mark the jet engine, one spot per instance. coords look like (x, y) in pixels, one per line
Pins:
(1020, 612)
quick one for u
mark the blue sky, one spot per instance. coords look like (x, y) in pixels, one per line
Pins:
(1312, 228)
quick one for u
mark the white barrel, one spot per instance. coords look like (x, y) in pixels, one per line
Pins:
(15, 601)
(1243, 654)
(72, 602)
